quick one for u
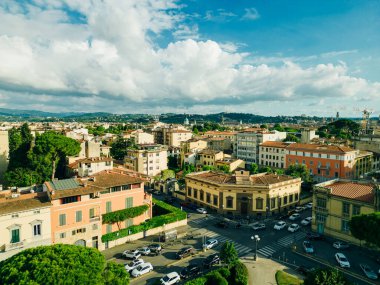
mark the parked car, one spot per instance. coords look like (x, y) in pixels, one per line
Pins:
(368, 271)
(144, 250)
(314, 236)
(142, 269)
(308, 247)
(306, 221)
(155, 248)
(131, 254)
(222, 224)
(342, 260)
(309, 205)
(210, 243)
(133, 264)
(185, 252)
(190, 271)
(202, 210)
(283, 217)
(304, 270)
(294, 217)
(211, 260)
(258, 226)
(293, 228)
(279, 225)
(341, 245)
(299, 209)
(170, 278)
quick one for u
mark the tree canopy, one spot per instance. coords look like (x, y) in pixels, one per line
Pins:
(366, 227)
(291, 138)
(120, 147)
(228, 253)
(298, 170)
(343, 128)
(325, 276)
(63, 264)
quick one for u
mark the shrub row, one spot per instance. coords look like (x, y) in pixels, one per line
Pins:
(174, 215)
(122, 215)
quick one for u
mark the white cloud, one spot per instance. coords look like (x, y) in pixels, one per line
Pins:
(112, 63)
(251, 14)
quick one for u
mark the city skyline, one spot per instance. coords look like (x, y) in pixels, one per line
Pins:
(282, 58)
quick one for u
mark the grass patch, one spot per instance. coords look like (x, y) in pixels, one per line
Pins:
(283, 278)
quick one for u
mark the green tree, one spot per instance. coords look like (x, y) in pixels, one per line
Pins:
(278, 127)
(265, 169)
(208, 168)
(188, 168)
(173, 162)
(21, 177)
(166, 174)
(228, 253)
(119, 148)
(291, 138)
(224, 168)
(298, 170)
(366, 227)
(195, 130)
(68, 264)
(326, 276)
(239, 274)
(254, 168)
(115, 274)
(20, 141)
(264, 126)
(215, 278)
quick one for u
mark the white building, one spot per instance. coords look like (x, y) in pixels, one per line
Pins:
(273, 154)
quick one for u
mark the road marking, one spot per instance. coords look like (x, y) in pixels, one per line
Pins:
(289, 239)
(269, 250)
(202, 220)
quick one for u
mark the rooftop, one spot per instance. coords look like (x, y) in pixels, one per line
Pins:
(23, 202)
(220, 133)
(363, 192)
(323, 148)
(275, 144)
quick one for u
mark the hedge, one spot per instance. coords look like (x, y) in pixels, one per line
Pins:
(122, 215)
(174, 215)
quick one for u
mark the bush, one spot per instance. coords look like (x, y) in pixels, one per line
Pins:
(225, 272)
(326, 276)
(122, 215)
(215, 278)
(228, 253)
(197, 281)
(239, 274)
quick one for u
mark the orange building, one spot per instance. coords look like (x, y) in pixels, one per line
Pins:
(78, 205)
(325, 162)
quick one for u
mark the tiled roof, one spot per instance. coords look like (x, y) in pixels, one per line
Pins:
(107, 179)
(64, 184)
(23, 203)
(220, 133)
(217, 177)
(322, 148)
(269, 178)
(354, 191)
(275, 144)
(209, 151)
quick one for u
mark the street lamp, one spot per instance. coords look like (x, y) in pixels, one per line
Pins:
(255, 238)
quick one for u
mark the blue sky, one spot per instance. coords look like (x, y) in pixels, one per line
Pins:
(145, 56)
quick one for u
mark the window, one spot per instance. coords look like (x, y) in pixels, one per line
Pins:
(296, 197)
(37, 230)
(201, 195)
(345, 208)
(62, 219)
(208, 198)
(259, 203)
(311, 162)
(92, 213)
(291, 198)
(355, 210)
(68, 200)
(336, 174)
(128, 223)
(109, 229)
(321, 202)
(188, 191)
(336, 165)
(108, 206)
(215, 200)
(273, 203)
(320, 218)
(128, 202)
(78, 216)
(15, 235)
(345, 226)
(125, 187)
(14, 215)
(285, 200)
(62, 235)
(195, 193)
(230, 202)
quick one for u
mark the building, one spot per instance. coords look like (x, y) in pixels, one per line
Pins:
(370, 143)
(227, 139)
(190, 149)
(4, 152)
(363, 163)
(147, 159)
(325, 162)
(24, 221)
(89, 166)
(241, 193)
(78, 205)
(273, 154)
(171, 136)
(336, 201)
(139, 136)
(208, 157)
(307, 135)
(231, 164)
(249, 140)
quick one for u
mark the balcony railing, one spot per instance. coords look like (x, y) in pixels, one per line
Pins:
(14, 245)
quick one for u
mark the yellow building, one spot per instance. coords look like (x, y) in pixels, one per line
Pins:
(336, 201)
(208, 157)
(363, 163)
(190, 149)
(242, 193)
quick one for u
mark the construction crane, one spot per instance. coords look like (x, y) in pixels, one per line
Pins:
(365, 118)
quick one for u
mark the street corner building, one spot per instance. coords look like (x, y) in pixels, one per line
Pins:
(240, 193)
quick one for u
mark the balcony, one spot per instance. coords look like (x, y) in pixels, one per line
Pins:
(95, 219)
(14, 245)
(321, 209)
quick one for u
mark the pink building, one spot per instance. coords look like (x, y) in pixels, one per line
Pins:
(78, 205)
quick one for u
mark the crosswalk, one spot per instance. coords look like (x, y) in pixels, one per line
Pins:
(289, 239)
(269, 250)
(241, 249)
(203, 220)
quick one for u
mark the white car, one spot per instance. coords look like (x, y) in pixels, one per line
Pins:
(133, 264)
(299, 209)
(293, 228)
(294, 217)
(131, 254)
(309, 205)
(202, 210)
(306, 221)
(144, 250)
(210, 243)
(170, 278)
(142, 269)
(342, 260)
(279, 225)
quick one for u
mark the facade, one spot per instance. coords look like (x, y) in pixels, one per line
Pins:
(227, 139)
(171, 136)
(232, 163)
(4, 152)
(307, 135)
(24, 221)
(273, 154)
(363, 164)
(148, 159)
(78, 205)
(248, 143)
(243, 194)
(336, 201)
(190, 149)
(325, 162)
(208, 157)
(91, 166)
(370, 143)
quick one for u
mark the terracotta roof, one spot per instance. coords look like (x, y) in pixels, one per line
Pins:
(269, 178)
(220, 133)
(179, 131)
(209, 151)
(353, 191)
(320, 148)
(107, 179)
(217, 177)
(216, 139)
(274, 144)
(24, 202)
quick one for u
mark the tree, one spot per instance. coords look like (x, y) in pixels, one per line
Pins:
(325, 276)
(254, 168)
(263, 126)
(215, 278)
(173, 162)
(366, 227)
(195, 130)
(166, 174)
(20, 141)
(115, 274)
(298, 170)
(291, 138)
(208, 168)
(224, 168)
(21, 177)
(266, 169)
(239, 274)
(188, 168)
(278, 127)
(61, 263)
(119, 148)
(228, 253)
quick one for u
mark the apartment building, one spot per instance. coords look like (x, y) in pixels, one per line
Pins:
(147, 159)
(139, 136)
(273, 154)
(208, 157)
(363, 163)
(232, 164)
(78, 205)
(336, 201)
(190, 149)
(24, 221)
(171, 136)
(325, 162)
(225, 141)
(248, 143)
(90, 166)
(241, 193)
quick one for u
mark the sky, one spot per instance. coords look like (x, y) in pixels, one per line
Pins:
(266, 57)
